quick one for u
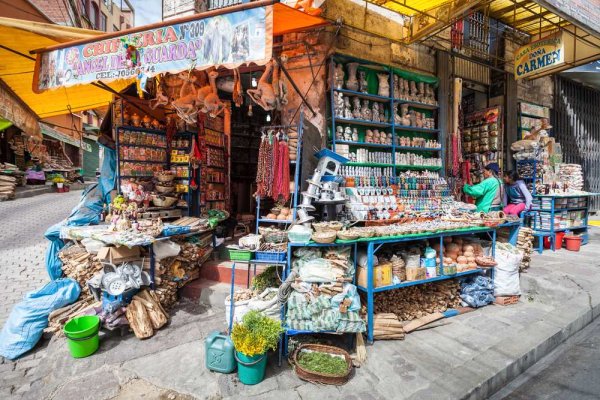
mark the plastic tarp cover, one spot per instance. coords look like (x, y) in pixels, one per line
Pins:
(87, 212)
(28, 319)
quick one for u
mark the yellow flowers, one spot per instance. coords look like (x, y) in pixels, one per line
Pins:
(256, 334)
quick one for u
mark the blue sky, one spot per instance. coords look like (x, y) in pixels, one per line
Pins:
(147, 11)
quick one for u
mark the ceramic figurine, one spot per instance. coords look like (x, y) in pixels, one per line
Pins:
(384, 85)
(419, 120)
(421, 96)
(382, 117)
(355, 135)
(365, 111)
(347, 108)
(339, 132)
(413, 95)
(396, 86)
(347, 133)
(338, 76)
(404, 116)
(412, 117)
(397, 116)
(406, 85)
(339, 104)
(375, 112)
(363, 86)
(146, 121)
(352, 82)
(356, 111)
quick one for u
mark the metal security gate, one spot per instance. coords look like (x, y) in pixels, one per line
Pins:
(576, 121)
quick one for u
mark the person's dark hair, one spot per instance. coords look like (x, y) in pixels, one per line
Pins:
(513, 175)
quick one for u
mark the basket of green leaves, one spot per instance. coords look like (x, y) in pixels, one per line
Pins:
(319, 363)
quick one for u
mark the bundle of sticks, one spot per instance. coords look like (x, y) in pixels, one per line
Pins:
(166, 291)
(81, 266)
(59, 317)
(387, 326)
(416, 301)
(525, 244)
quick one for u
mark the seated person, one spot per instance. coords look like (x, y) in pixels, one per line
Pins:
(516, 195)
(35, 174)
(487, 193)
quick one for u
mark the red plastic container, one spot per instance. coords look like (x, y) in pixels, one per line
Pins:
(573, 243)
(559, 240)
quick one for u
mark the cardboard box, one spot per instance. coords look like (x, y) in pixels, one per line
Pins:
(416, 274)
(117, 255)
(382, 275)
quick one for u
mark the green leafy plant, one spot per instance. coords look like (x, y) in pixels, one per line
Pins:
(266, 279)
(322, 363)
(256, 334)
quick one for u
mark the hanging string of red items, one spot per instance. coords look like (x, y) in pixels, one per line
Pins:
(273, 170)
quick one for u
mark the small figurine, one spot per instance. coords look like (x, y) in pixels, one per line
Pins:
(365, 111)
(363, 86)
(421, 92)
(347, 108)
(396, 86)
(404, 115)
(375, 112)
(356, 110)
(412, 117)
(338, 76)
(413, 96)
(339, 104)
(419, 120)
(354, 135)
(384, 85)
(339, 132)
(347, 134)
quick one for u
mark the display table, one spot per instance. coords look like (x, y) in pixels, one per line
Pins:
(554, 213)
(374, 244)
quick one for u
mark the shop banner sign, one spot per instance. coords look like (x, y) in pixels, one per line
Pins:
(227, 40)
(539, 56)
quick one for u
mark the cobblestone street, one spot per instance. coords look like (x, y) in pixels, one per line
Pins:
(23, 245)
(22, 252)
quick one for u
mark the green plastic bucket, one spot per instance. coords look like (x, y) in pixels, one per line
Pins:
(251, 370)
(82, 335)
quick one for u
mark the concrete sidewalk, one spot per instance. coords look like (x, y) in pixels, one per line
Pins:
(470, 358)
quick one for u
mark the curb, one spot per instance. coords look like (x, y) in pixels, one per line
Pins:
(510, 358)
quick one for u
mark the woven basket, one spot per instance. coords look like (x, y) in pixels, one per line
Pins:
(325, 237)
(164, 189)
(165, 177)
(273, 236)
(164, 201)
(348, 235)
(316, 377)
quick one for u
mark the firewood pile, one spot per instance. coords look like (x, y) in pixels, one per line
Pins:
(59, 317)
(387, 326)
(416, 301)
(166, 291)
(81, 266)
(8, 185)
(145, 314)
(525, 244)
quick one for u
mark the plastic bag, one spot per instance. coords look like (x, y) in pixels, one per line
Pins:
(362, 259)
(349, 292)
(318, 270)
(165, 248)
(506, 273)
(92, 246)
(28, 319)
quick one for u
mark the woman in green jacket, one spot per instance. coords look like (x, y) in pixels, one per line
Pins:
(487, 193)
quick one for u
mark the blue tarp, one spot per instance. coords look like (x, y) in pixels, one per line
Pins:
(87, 212)
(28, 319)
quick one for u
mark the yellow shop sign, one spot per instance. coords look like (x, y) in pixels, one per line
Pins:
(539, 56)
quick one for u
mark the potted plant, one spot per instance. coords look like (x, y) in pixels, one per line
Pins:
(252, 338)
(59, 181)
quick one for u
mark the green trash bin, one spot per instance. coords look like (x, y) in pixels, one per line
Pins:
(251, 370)
(82, 335)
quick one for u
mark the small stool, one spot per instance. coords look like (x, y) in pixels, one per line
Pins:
(540, 236)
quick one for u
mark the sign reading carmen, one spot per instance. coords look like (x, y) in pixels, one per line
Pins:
(538, 56)
(224, 40)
